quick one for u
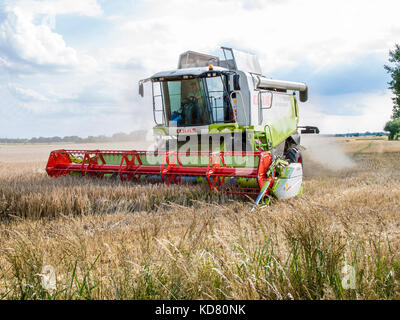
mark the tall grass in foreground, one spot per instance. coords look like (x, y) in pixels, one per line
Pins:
(256, 259)
(118, 244)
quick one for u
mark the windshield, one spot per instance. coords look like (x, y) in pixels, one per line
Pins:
(185, 102)
(196, 102)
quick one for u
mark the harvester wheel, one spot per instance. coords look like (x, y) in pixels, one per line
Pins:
(293, 155)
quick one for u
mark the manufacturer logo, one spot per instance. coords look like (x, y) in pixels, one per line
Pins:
(186, 130)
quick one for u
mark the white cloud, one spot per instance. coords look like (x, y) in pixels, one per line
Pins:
(33, 45)
(54, 7)
(26, 94)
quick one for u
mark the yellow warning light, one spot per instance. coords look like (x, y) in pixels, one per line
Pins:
(210, 67)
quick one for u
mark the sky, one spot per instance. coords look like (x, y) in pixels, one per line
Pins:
(71, 67)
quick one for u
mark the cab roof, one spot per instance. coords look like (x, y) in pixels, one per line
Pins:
(189, 72)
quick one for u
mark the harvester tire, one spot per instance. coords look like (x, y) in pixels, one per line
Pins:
(293, 155)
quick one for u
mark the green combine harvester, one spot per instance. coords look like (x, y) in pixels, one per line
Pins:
(218, 121)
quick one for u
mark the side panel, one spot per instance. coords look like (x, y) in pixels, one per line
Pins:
(280, 120)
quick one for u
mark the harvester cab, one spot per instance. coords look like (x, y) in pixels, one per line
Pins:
(224, 103)
(218, 121)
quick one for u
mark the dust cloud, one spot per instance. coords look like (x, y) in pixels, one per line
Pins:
(326, 152)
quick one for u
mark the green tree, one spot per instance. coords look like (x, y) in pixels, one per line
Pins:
(394, 84)
(393, 127)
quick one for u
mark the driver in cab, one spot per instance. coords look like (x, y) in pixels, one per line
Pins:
(194, 91)
(193, 112)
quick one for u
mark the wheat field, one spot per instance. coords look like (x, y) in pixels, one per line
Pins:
(113, 240)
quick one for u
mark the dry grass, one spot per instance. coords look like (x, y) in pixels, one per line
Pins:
(367, 144)
(109, 240)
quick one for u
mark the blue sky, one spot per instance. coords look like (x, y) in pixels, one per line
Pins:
(71, 67)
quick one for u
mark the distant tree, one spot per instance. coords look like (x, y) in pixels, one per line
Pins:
(90, 139)
(393, 127)
(394, 84)
(71, 139)
(120, 136)
(55, 139)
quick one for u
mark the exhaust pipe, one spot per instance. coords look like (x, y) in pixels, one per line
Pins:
(264, 83)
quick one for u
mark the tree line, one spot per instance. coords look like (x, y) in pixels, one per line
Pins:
(360, 134)
(116, 137)
(393, 126)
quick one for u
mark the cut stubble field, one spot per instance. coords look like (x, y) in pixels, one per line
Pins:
(112, 240)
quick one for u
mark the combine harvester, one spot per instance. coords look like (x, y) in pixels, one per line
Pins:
(218, 121)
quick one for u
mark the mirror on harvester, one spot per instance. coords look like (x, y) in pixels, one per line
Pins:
(141, 89)
(236, 84)
(304, 95)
